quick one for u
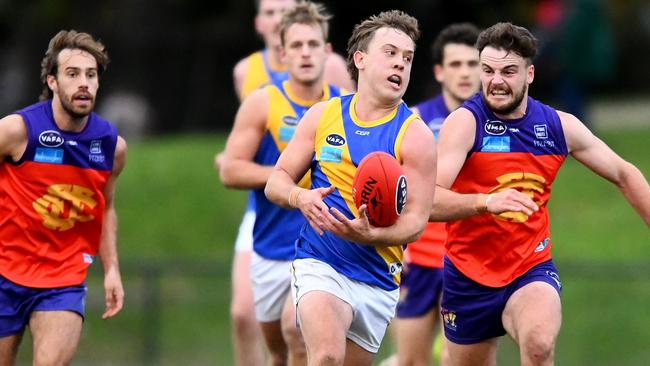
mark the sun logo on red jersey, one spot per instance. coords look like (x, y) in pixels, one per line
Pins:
(526, 183)
(64, 205)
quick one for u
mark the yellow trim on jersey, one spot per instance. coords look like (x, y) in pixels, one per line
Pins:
(355, 118)
(400, 135)
(256, 75)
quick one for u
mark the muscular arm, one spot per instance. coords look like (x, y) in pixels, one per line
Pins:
(456, 140)
(13, 137)
(237, 168)
(239, 75)
(602, 160)
(113, 289)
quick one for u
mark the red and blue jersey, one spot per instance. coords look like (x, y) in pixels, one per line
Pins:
(524, 154)
(429, 249)
(52, 202)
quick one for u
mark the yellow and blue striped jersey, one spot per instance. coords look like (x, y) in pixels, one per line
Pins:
(259, 73)
(341, 141)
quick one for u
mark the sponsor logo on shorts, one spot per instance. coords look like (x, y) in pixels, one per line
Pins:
(496, 144)
(541, 131)
(449, 319)
(555, 277)
(48, 155)
(335, 139)
(330, 154)
(290, 120)
(50, 138)
(495, 127)
(542, 245)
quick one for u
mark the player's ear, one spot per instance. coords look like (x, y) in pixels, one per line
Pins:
(530, 71)
(52, 83)
(328, 48)
(283, 55)
(359, 59)
(437, 72)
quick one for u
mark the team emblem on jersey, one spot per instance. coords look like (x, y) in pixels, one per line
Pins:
(495, 127)
(526, 183)
(541, 131)
(50, 138)
(65, 204)
(290, 120)
(335, 139)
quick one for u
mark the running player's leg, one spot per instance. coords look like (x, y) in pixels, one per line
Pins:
(9, 348)
(246, 334)
(292, 335)
(533, 315)
(55, 336)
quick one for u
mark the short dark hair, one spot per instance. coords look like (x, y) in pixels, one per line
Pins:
(458, 33)
(364, 31)
(511, 38)
(306, 13)
(70, 40)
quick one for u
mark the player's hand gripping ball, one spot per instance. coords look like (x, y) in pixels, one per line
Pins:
(380, 184)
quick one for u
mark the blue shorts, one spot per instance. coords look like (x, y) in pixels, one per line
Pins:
(419, 291)
(18, 302)
(472, 312)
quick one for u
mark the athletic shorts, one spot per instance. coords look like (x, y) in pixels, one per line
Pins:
(419, 291)
(18, 302)
(472, 312)
(244, 241)
(372, 307)
(271, 282)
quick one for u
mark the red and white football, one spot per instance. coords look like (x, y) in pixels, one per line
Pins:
(380, 184)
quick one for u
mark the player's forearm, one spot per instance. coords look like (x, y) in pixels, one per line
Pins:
(242, 174)
(449, 205)
(636, 190)
(108, 243)
(278, 188)
(407, 229)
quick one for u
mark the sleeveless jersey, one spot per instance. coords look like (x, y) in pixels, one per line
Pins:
(52, 202)
(524, 154)
(341, 141)
(259, 73)
(429, 249)
(276, 229)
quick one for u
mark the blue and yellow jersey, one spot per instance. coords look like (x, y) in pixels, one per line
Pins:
(260, 73)
(52, 200)
(277, 229)
(341, 141)
(524, 154)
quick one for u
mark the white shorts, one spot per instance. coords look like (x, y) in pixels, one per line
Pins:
(271, 281)
(372, 307)
(244, 240)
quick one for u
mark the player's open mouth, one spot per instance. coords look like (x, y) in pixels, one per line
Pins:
(395, 79)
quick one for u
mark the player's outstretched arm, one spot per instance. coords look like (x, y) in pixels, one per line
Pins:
(294, 162)
(456, 140)
(113, 288)
(237, 167)
(602, 160)
(418, 155)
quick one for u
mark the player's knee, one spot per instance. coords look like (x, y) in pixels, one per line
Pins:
(293, 338)
(539, 346)
(49, 358)
(243, 318)
(328, 358)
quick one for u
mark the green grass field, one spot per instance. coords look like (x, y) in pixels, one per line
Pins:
(178, 223)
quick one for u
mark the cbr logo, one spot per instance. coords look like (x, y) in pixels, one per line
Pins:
(65, 204)
(362, 133)
(335, 140)
(50, 138)
(495, 127)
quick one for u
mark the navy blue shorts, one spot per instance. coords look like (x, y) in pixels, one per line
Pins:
(472, 312)
(419, 291)
(18, 302)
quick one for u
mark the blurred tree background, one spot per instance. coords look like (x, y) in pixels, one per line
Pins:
(172, 60)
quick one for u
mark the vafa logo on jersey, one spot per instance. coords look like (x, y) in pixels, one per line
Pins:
(50, 138)
(335, 139)
(495, 127)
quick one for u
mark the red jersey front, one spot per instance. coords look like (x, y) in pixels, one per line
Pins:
(523, 154)
(51, 201)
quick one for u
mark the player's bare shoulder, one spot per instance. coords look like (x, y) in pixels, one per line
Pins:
(120, 156)
(239, 74)
(13, 136)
